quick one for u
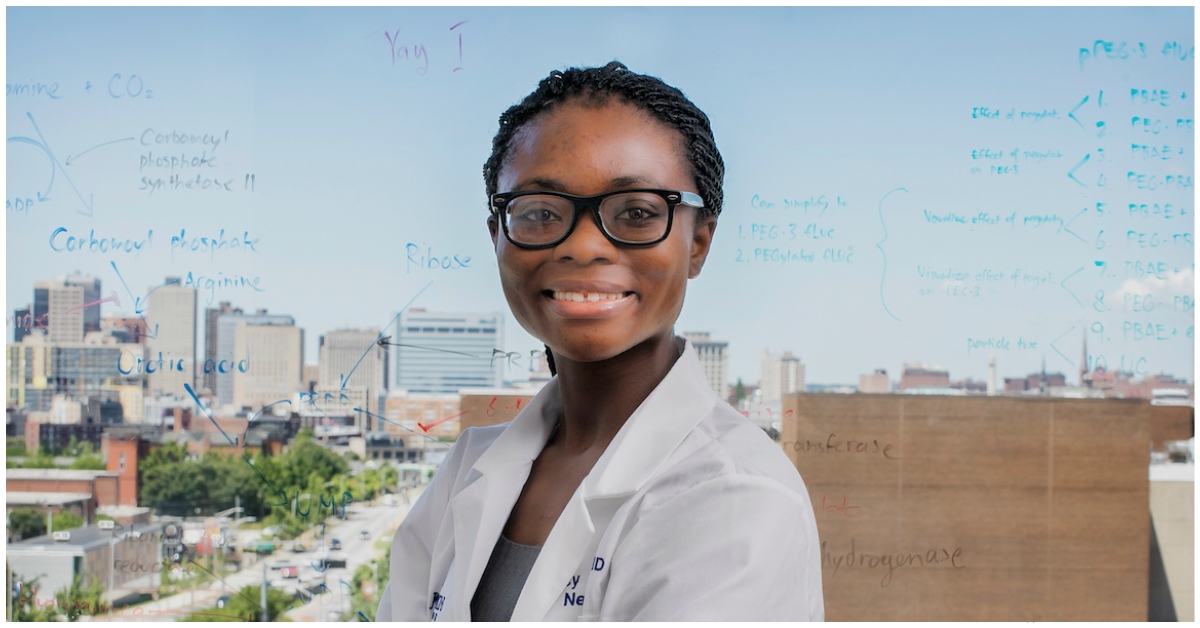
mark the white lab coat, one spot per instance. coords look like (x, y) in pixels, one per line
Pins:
(692, 513)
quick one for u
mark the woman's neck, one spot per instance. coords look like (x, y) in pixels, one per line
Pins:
(598, 397)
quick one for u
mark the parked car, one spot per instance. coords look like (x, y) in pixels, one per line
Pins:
(335, 544)
(364, 535)
(289, 571)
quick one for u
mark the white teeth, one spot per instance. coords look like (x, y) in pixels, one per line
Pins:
(579, 297)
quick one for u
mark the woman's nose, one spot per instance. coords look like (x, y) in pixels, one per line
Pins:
(586, 242)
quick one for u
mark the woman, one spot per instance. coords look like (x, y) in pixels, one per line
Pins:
(626, 489)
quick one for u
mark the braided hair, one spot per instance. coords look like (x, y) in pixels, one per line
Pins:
(595, 86)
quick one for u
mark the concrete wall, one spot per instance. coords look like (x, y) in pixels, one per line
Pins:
(53, 571)
(1173, 508)
(976, 508)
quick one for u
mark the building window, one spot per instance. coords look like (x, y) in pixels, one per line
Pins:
(122, 462)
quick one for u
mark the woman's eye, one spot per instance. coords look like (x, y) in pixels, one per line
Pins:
(537, 215)
(637, 214)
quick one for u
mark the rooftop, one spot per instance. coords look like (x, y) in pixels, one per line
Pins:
(82, 538)
(55, 474)
(18, 498)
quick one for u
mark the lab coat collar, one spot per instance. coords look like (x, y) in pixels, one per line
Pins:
(495, 481)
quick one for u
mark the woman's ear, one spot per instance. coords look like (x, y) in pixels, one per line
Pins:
(702, 236)
(493, 228)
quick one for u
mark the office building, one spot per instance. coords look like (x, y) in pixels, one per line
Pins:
(442, 352)
(875, 383)
(211, 316)
(170, 312)
(100, 367)
(127, 329)
(91, 294)
(714, 357)
(220, 326)
(22, 324)
(59, 305)
(781, 375)
(274, 357)
(351, 357)
(921, 375)
(351, 365)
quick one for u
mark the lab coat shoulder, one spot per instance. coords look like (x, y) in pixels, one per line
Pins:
(724, 531)
(413, 545)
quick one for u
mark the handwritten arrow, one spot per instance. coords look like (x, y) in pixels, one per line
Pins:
(426, 428)
(46, 147)
(1068, 223)
(1071, 114)
(384, 341)
(137, 301)
(1063, 285)
(77, 156)
(188, 388)
(130, 292)
(111, 299)
(346, 378)
(1060, 352)
(26, 140)
(1071, 173)
(372, 414)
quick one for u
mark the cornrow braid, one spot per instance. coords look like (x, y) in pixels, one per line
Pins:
(663, 102)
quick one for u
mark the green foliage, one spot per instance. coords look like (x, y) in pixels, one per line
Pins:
(26, 607)
(174, 485)
(364, 573)
(740, 390)
(14, 446)
(65, 520)
(244, 606)
(70, 602)
(91, 462)
(40, 461)
(26, 523)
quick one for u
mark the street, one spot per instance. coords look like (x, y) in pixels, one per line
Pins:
(378, 520)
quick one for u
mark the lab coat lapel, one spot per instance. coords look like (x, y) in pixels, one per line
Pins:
(494, 483)
(640, 447)
(655, 429)
(557, 562)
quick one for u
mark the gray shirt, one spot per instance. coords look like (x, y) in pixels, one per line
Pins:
(502, 580)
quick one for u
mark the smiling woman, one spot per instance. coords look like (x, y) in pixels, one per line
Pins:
(627, 489)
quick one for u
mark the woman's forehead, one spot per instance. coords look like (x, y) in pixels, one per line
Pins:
(582, 143)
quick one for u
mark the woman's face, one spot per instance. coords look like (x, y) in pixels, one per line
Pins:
(589, 150)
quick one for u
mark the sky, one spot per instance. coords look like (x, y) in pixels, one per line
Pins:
(934, 185)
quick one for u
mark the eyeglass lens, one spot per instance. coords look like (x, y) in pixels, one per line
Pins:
(633, 217)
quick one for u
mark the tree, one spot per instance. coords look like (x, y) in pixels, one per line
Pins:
(377, 571)
(244, 606)
(65, 520)
(70, 602)
(26, 523)
(740, 390)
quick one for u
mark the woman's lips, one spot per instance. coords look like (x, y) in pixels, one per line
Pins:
(582, 304)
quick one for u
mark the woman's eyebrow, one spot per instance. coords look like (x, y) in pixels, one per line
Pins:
(554, 185)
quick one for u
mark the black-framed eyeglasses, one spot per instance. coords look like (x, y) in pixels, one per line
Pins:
(536, 219)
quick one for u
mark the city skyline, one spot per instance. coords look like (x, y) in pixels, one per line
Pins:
(228, 316)
(885, 204)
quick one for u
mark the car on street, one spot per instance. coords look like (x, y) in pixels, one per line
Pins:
(364, 535)
(335, 544)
